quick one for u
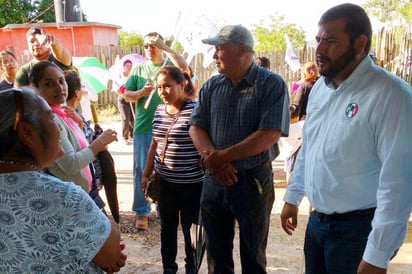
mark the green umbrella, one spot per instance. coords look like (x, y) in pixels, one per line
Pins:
(92, 71)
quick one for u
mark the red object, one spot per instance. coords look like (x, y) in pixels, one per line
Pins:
(122, 89)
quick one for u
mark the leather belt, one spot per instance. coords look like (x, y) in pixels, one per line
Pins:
(356, 215)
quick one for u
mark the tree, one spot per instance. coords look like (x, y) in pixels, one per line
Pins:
(393, 12)
(273, 38)
(16, 11)
(28, 11)
(134, 39)
(130, 39)
(45, 12)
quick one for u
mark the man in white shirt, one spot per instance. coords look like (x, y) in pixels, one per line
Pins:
(354, 164)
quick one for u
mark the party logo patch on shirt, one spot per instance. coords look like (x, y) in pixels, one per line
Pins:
(351, 110)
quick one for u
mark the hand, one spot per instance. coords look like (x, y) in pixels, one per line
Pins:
(45, 39)
(158, 42)
(214, 160)
(367, 268)
(100, 143)
(147, 89)
(289, 218)
(227, 175)
(144, 183)
(71, 113)
(121, 262)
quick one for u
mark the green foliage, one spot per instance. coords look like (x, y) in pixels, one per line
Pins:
(130, 39)
(273, 38)
(16, 11)
(46, 12)
(108, 113)
(28, 11)
(392, 12)
(134, 39)
(177, 46)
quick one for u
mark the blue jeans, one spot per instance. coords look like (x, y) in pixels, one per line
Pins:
(335, 246)
(178, 200)
(249, 202)
(141, 143)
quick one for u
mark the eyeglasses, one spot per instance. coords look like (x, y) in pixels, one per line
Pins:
(146, 46)
(8, 61)
(18, 97)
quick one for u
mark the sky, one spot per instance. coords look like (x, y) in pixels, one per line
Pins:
(161, 15)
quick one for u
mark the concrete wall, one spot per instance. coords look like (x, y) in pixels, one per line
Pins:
(77, 37)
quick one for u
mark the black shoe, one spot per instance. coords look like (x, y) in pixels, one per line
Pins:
(168, 271)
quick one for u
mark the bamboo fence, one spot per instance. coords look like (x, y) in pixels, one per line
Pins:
(393, 50)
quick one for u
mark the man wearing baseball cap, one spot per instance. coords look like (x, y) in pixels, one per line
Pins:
(241, 114)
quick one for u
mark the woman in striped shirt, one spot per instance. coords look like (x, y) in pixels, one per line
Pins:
(173, 155)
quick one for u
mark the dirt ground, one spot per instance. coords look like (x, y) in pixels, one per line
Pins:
(284, 253)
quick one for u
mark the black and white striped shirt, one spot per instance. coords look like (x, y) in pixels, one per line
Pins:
(181, 160)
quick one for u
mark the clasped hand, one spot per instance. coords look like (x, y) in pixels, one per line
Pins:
(121, 262)
(219, 167)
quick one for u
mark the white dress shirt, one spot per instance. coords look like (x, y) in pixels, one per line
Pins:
(357, 154)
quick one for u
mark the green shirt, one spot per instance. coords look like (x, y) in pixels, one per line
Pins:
(137, 78)
(22, 76)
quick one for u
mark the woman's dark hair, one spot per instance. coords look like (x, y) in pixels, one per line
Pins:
(264, 61)
(176, 74)
(4, 53)
(37, 71)
(356, 20)
(294, 111)
(73, 83)
(31, 113)
(127, 61)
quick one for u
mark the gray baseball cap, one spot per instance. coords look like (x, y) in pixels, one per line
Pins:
(236, 34)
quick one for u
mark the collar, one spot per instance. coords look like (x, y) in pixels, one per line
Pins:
(358, 72)
(248, 79)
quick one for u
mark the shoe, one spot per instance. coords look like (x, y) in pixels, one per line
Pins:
(126, 142)
(142, 222)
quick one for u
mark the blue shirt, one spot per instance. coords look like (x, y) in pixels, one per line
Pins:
(356, 154)
(48, 225)
(229, 114)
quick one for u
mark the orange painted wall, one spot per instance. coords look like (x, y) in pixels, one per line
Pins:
(77, 37)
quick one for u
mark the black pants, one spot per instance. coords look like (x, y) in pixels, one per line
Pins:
(126, 113)
(249, 202)
(175, 199)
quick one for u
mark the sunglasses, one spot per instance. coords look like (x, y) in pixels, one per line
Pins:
(146, 46)
(18, 97)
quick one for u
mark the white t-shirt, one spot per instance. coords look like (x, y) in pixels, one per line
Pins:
(293, 141)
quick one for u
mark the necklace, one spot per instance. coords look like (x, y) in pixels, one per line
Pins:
(30, 165)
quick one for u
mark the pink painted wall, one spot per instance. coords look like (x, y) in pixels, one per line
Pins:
(77, 37)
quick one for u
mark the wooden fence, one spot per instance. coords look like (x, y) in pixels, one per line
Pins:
(393, 50)
(107, 55)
